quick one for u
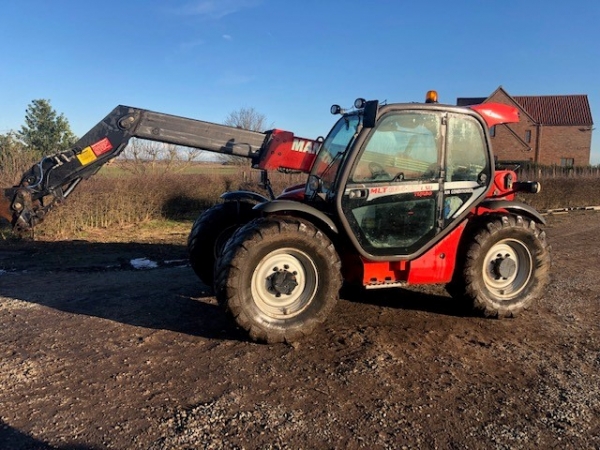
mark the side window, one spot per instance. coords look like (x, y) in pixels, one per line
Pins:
(466, 149)
(404, 146)
(467, 165)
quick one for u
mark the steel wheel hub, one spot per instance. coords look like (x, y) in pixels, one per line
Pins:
(504, 267)
(284, 283)
(281, 281)
(508, 268)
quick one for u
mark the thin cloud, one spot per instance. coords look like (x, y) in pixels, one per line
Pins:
(216, 9)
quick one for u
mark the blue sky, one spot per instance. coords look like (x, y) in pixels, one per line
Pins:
(290, 60)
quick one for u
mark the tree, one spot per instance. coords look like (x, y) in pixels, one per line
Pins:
(247, 119)
(45, 131)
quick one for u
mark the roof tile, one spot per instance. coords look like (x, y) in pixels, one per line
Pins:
(557, 109)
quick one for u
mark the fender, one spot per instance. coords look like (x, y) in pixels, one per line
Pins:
(517, 207)
(275, 206)
(244, 196)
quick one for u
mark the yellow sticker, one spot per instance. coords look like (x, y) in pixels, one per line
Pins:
(86, 156)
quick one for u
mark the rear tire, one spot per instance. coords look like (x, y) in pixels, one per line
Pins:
(505, 269)
(279, 278)
(210, 232)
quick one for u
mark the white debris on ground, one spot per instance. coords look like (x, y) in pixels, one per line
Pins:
(143, 263)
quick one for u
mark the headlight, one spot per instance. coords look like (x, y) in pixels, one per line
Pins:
(314, 183)
(360, 103)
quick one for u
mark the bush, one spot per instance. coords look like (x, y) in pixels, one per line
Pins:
(119, 199)
(14, 156)
(564, 193)
(536, 171)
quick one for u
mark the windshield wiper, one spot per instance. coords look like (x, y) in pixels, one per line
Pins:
(331, 163)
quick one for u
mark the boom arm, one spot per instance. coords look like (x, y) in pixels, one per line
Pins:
(54, 178)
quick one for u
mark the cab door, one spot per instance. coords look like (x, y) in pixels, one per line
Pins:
(468, 166)
(417, 173)
(391, 200)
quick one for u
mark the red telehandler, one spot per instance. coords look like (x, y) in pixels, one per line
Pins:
(396, 194)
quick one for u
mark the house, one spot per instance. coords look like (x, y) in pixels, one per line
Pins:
(554, 129)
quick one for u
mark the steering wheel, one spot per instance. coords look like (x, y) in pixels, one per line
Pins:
(377, 171)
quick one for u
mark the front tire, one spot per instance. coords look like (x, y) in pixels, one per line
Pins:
(279, 278)
(210, 232)
(506, 267)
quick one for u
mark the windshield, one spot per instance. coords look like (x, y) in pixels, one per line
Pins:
(334, 148)
(404, 146)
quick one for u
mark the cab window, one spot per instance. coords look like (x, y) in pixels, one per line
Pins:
(404, 146)
(467, 166)
(466, 149)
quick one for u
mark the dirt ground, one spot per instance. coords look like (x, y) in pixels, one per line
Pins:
(96, 354)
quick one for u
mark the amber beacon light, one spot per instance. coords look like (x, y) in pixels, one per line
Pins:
(431, 97)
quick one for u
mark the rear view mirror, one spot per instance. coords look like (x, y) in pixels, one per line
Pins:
(370, 113)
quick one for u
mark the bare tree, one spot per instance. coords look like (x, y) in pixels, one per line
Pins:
(247, 119)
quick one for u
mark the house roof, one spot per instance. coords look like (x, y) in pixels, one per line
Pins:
(557, 109)
(571, 110)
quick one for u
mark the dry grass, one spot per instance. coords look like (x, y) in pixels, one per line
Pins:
(120, 200)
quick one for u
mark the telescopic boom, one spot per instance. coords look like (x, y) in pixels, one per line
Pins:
(54, 178)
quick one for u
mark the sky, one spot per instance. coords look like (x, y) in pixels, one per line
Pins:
(290, 60)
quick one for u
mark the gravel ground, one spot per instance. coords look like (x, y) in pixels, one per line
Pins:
(98, 354)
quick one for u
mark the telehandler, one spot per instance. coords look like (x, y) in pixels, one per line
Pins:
(396, 194)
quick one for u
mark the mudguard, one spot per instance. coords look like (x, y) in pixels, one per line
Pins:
(516, 207)
(244, 196)
(275, 206)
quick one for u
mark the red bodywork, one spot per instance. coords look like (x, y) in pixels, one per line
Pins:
(496, 113)
(286, 151)
(434, 266)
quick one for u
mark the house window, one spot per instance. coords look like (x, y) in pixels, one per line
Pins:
(493, 131)
(528, 136)
(567, 162)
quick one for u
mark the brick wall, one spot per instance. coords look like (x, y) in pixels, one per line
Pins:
(565, 142)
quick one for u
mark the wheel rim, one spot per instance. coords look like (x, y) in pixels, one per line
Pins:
(284, 283)
(508, 268)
